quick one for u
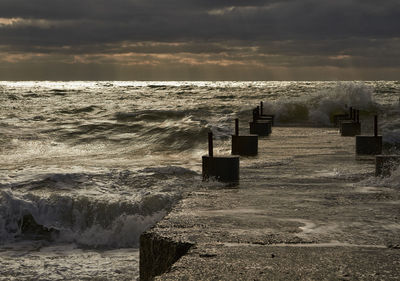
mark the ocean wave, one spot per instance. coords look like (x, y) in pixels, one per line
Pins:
(150, 115)
(391, 133)
(169, 170)
(104, 209)
(78, 110)
(55, 181)
(167, 130)
(112, 181)
(319, 108)
(59, 92)
(161, 125)
(88, 221)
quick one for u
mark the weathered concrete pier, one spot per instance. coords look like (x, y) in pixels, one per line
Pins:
(299, 213)
(267, 117)
(221, 168)
(338, 118)
(369, 145)
(351, 128)
(244, 145)
(261, 126)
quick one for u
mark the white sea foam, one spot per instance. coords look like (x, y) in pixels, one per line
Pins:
(391, 181)
(320, 106)
(124, 232)
(95, 210)
(83, 220)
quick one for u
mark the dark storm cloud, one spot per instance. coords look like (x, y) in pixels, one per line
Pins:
(103, 9)
(85, 21)
(270, 32)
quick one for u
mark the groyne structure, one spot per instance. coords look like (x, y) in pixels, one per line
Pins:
(300, 212)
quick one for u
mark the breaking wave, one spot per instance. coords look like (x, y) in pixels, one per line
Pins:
(319, 108)
(92, 210)
(83, 220)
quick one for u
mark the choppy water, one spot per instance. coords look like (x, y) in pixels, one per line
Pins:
(96, 163)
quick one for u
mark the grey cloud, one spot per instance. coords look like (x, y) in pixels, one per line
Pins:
(296, 32)
(77, 22)
(101, 9)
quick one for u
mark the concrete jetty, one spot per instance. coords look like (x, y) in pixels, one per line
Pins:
(370, 145)
(267, 117)
(351, 128)
(300, 212)
(337, 118)
(243, 145)
(221, 168)
(260, 128)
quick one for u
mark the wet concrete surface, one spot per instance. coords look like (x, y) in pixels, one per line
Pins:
(304, 210)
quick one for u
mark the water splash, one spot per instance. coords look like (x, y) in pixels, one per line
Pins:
(319, 107)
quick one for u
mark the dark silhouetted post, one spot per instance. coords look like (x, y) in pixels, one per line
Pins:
(236, 127)
(358, 116)
(376, 125)
(354, 114)
(351, 112)
(210, 144)
(256, 114)
(261, 108)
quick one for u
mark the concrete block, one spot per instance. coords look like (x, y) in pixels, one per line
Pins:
(245, 145)
(224, 169)
(337, 118)
(350, 128)
(385, 164)
(368, 145)
(258, 114)
(267, 117)
(261, 128)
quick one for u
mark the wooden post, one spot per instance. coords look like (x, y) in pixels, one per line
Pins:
(261, 108)
(376, 125)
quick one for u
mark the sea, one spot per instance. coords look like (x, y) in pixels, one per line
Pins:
(87, 166)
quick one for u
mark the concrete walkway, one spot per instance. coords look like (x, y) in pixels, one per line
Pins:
(305, 209)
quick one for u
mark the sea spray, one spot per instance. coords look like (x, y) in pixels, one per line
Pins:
(391, 181)
(389, 123)
(319, 107)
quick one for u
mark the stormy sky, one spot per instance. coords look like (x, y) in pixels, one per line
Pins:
(199, 39)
